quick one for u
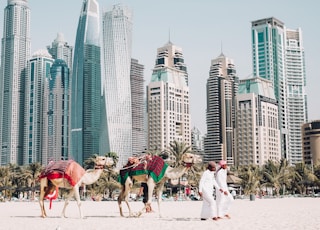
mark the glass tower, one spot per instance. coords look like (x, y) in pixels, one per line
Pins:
(278, 55)
(296, 96)
(61, 50)
(137, 99)
(56, 113)
(117, 39)
(86, 85)
(222, 87)
(36, 99)
(15, 53)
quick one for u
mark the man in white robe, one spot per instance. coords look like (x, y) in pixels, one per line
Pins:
(223, 200)
(206, 189)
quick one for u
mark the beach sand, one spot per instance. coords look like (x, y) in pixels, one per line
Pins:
(277, 213)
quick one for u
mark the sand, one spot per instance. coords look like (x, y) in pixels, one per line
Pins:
(277, 213)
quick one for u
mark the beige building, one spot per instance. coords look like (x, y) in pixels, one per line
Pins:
(311, 142)
(257, 132)
(168, 100)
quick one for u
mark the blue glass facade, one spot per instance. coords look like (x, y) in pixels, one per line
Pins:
(86, 85)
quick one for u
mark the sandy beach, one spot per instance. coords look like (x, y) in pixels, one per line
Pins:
(277, 213)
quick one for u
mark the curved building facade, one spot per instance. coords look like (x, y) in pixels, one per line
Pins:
(86, 85)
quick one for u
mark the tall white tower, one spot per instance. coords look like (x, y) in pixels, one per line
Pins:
(15, 53)
(117, 39)
(296, 95)
(168, 102)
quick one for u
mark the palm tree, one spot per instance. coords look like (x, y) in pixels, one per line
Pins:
(272, 176)
(5, 180)
(31, 173)
(176, 151)
(303, 178)
(89, 163)
(251, 177)
(114, 156)
(107, 183)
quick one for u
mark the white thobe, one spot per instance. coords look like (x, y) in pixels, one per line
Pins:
(206, 186)
(223, 201)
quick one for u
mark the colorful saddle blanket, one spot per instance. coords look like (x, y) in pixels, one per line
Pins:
(155, 168)
(69, 170)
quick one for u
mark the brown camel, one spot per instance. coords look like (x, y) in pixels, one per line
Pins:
(188, 160)
(69, 175)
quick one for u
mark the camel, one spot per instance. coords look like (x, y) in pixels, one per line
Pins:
(188, 160)
(54, 177)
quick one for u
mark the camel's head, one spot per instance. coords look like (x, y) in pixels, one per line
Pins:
(189, 159)
(102, 161)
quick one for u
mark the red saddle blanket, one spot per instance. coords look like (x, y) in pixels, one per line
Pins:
(69, 170)
(155, 168)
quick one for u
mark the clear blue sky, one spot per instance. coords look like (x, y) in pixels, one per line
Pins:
(202, 28)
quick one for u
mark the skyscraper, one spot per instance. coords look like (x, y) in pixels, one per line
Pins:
(296, 96)
(138, 105)
(38, 74)
(86, 85)
(222, 87)
(197, 141)
(278, 55)
(268, 54)
(117, 39)
(257, 133)
(55, 144)
(61, 50)
(168, 102)
(15, 53)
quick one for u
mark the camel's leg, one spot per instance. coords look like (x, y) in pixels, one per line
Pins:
(124, 195)
(77, 196)
(43, 186)
(120, 198)
(71, 192)
(160, 191)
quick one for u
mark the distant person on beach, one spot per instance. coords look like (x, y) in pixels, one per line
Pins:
(206, 190)
(144, 192)
(224, 199)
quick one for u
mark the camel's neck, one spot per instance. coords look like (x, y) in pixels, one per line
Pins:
(91, 176)
(174, 173)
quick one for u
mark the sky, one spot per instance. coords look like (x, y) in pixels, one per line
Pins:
(202, 28)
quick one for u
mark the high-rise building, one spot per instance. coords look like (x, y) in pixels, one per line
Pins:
(15, 53)
(311, 142)
(197, 141)
(268, 54)
(296, 95)
(257, 127)
(278, 55)
(222, 87)
(86, 85)
(138, 105)
(168, 102)
(38, 74)
(55, 144)
(117, 42)
(60, 49)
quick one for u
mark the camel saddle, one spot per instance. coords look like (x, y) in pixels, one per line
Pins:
(69, 170)
(155, 168)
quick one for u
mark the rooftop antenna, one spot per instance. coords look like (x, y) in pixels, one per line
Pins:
(169, 36)
(221, 48)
